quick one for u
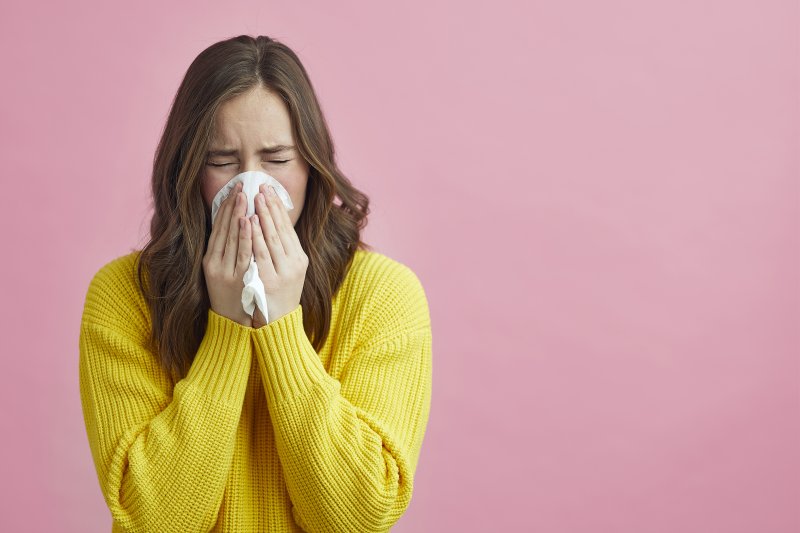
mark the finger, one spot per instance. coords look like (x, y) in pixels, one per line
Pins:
(260, 250)
(280, 219)
(271, 236)
(222, 225)
(219, 229)
(216, 244)
(231, 246)
(294, 240)
(245, 253)
(277, 210)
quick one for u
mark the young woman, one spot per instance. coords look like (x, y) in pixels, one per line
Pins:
(202, 417)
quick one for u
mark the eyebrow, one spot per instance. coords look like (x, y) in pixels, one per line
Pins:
(267, 150)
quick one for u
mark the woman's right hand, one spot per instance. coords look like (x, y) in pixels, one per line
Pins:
(228, 257)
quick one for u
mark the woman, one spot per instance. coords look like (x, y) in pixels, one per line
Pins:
(201, 417)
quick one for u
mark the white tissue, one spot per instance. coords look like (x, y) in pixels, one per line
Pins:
(253, 293)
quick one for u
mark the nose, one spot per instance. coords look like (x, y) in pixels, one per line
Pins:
(251, 165)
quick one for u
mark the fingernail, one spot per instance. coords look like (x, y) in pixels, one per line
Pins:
(271, 191)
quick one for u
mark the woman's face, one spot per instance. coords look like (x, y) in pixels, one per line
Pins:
(246, 126)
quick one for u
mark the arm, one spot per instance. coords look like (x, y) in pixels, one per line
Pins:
(349, 448)
(162, 455)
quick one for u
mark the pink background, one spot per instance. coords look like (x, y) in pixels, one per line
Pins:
(600, 198)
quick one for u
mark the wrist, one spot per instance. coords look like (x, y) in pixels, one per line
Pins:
(258, 319)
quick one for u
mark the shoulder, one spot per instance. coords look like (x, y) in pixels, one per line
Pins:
(386, 294)
(114, 298)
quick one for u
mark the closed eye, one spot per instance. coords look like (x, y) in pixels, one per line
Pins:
(226, 164)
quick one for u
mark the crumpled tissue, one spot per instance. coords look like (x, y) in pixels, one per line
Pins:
(253, 292)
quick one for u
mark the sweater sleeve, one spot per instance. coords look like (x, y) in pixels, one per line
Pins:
(162, 454)
(349, 448)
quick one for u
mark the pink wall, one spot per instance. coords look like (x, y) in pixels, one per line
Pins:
(601, 199)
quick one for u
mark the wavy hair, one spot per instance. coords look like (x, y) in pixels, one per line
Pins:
(169, 266)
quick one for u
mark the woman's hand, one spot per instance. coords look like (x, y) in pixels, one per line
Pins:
(227, 258)
(281, 261)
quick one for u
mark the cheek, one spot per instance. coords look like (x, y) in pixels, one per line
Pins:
(211, 184)
(297, 192)
(208, 193)
(296, 184)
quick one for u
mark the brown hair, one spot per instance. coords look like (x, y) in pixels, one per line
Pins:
(169, 267)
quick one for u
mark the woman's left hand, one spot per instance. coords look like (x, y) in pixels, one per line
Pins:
(281, 261)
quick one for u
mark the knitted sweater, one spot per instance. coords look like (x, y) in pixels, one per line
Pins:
(263, 433)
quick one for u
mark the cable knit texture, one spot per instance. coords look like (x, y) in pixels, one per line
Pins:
(263, 433)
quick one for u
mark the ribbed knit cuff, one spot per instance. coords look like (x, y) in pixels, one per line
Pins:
(290, 366)
(221, 367)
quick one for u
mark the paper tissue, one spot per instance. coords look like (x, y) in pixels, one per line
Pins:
(253, 293)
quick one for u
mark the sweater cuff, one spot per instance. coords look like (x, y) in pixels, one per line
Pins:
(290, 366)
(221, 366)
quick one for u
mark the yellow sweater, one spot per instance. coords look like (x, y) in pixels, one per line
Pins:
(264, 433)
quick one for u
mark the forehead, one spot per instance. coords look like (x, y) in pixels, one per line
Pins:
(258, 115)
